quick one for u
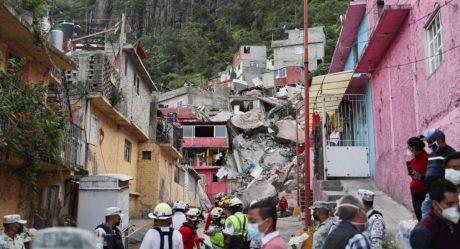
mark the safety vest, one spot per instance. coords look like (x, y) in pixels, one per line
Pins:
(217, 239)
(239, 222)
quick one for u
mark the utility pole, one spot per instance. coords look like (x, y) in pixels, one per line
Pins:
(307, 118)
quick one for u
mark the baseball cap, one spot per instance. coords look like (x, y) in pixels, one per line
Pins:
(433, 134)
(113, 211)
(64, 238)
(366, 195)
(321, 204)
(13, 218)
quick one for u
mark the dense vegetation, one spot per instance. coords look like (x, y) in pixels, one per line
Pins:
(197, 38)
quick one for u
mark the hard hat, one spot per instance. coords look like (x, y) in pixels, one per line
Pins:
(217, 212)
(162, 211)
(180, 205)
(235, 202)
(193, 214)
(113, 211)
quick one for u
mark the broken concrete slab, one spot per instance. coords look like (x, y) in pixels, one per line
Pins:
(250, 122)
(222, 116)
(260, 189)
(287, 132)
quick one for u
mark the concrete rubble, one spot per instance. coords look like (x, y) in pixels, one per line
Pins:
(262, 161)
(249, 122)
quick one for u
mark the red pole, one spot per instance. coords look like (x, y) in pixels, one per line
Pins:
(307, 118)
(297, 166)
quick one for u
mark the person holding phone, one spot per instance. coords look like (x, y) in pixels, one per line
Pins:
(416, 167)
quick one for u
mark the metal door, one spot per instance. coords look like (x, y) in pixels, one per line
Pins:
(345, 135)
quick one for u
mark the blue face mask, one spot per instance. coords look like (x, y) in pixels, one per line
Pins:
(433, 146)
(253, 231)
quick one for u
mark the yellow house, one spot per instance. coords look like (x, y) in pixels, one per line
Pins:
(121, 131)
(45, 65)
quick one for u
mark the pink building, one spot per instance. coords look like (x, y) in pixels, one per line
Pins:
(289, 76)
(409, 53)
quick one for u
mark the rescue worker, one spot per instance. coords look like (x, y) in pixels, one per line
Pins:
(162, 235)
(10, 239)
(217, 226)
(108, 236)
(321, 214)
(179, 218)
(235, 231)
(375, 227)
(188, 229)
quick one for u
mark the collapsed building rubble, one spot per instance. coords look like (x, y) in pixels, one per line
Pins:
(262, 161)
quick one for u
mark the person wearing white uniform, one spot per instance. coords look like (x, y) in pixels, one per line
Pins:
(162, 235)
(179, 218)
(375, 229)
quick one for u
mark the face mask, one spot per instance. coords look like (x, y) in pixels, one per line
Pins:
(433, 146)
(451, 214)
(453, 176)
(409, 153)
(253, 231)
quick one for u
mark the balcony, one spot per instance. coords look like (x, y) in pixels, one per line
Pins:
(169, 134)
(75, 147)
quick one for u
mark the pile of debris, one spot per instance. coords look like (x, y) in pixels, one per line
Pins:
(262, 162)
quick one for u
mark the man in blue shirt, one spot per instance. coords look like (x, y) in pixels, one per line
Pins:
(436, 141)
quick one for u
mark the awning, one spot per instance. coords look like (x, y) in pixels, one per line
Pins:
(331, 84)
(387, 29)
(350, 26)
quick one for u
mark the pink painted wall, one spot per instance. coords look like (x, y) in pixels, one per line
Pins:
(212, 188)
(294, 75)
(405, 101)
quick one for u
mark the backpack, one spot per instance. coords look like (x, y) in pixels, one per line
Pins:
(162, 237)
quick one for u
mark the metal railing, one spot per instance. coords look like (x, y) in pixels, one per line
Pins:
(75, 146)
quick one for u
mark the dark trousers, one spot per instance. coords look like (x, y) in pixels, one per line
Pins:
(417, 200)
(283, 212)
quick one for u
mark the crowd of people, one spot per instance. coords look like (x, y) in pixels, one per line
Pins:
(351, 223)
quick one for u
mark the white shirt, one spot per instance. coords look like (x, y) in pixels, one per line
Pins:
(269, 237)
(100, 233)
(178, 220)
(152, 240)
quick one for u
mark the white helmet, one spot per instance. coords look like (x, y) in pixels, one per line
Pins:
(217, 212)
(180, 205)
(162, 211)
(193, 214)
(235, 202)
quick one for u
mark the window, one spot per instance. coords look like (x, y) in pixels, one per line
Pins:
(220, 131)
(187, 131)
(299, 50)
(204, 131)
(94, 130)
(136, 84)
(126, 66)
(179, 104)
(215, 178)
(434, 43)
(146, 155)
(247, 50)
(127, 151)
(203, 179)
(176, 174)
(254, 64)
(281, 73)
